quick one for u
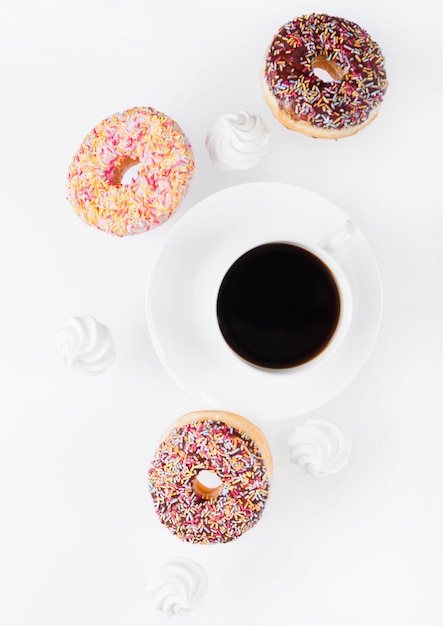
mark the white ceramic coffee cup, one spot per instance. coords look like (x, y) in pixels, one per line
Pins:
(326, 251)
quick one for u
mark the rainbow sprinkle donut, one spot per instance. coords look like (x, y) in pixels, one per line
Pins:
(231, 448)
(140, 137)
(301, 100)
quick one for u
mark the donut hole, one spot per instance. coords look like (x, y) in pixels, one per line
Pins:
(125, 171)
(207, 485)
(326, 70)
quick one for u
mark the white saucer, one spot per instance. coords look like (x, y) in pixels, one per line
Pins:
(183, 286)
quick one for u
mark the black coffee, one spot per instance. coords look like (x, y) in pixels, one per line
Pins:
(278, 306)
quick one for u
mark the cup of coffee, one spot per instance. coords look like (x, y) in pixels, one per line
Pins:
(286, 303)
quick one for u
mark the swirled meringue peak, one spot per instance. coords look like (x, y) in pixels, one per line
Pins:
(178, 586)
(86, 345)
(237, 141)
(319, 448)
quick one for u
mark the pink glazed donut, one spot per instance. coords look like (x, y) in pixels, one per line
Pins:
(139, 136)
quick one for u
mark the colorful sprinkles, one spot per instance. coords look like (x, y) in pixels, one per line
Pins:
(236, 459)
(292, 57)
(138, 136)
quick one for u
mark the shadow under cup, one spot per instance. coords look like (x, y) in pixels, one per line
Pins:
(279, 306)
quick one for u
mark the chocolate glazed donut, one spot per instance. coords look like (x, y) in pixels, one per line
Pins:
(301, 100)
(236, 452)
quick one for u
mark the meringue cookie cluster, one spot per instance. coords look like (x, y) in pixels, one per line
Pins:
(237, 141)
(319, 448)
(86, 345)
(178, 586)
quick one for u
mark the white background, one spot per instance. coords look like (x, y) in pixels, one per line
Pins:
(78, 536)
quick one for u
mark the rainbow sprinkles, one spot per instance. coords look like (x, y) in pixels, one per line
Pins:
(140, 137)
(236, 459)
(346, 51)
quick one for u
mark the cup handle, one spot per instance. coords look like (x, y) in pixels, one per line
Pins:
(336, 240)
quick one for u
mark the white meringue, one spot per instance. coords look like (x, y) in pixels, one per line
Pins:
(237, 141)
(319, 448)
(178, 586)
(86, 345)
